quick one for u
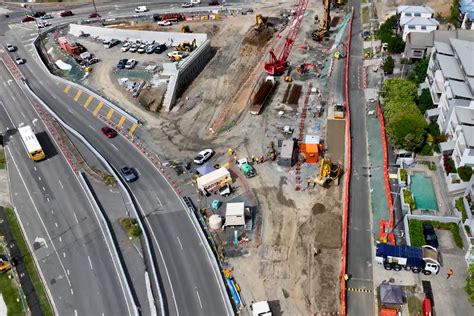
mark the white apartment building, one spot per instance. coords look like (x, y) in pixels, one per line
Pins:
(451, 83)
(416, 19)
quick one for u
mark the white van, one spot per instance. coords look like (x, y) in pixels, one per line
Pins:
(141, 9)
(195, 1)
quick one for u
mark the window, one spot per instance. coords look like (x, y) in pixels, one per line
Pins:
(417, 14)
(407, 14)
(411, 27)
(423, 27)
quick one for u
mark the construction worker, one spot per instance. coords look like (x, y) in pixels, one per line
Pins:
(450, 273)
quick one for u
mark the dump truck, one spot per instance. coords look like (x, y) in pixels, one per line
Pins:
(262, 95)
(339, 111)
(417, 259)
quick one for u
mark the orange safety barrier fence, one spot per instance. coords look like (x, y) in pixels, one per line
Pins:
(345, 215)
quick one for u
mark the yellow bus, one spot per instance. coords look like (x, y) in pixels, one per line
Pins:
(31, 143)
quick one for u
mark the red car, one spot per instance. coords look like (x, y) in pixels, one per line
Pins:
(109, 132)
(27, 19)
(94, 15)
(65, 13)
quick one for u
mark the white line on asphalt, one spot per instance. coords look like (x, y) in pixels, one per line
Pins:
(138, 250)
(5, 84)
(23, 114)
(114, 147)
(9, 81)
(179, 242)
(159, 201)
(9, 117)
(35, 168)
(52, 212)
(13, 98)
(47, 199)
(75, 216)
(60, 183)
(199, 298)
(90, 262)
(64, 254)
(39, 216)
(56, 224)
(92, 127)
(60, 239)
(138, 171)
(72, 292)
(44, 189)
(39, 178)
(75, 312)
(67, 271)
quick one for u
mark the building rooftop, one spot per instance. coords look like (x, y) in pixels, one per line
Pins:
(468, 132)
(418, 21)
(414, 9)
(450, 67)
(443, 48)
(465, 116)
(464, 50)
(460, 89)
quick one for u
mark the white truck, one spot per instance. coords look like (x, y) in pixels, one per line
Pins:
(261, 309)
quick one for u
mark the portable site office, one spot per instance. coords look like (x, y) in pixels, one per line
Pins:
(214, 179)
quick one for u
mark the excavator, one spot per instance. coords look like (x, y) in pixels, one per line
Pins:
(186, 46)
(323, 30)
(186, 29)
(260, 22)
(328, 171)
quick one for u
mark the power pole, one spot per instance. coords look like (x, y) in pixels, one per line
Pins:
(95, 8)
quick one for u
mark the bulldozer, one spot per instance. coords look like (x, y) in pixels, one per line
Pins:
(186, 46)
(260, 22)
(323, 30)
(328, 171)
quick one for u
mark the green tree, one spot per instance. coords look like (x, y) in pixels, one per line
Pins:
(454, 14)
(407, 130)
(388, 65)
(424, 101)
(465, 173)
(398, 88)
(392, 107)
(469, 288)
(421, 67)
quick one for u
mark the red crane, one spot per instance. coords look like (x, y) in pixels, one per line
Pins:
(277, 66)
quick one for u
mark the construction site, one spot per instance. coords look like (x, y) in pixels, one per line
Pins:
(271, 91)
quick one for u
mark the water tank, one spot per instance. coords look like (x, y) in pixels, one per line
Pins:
(215, 222)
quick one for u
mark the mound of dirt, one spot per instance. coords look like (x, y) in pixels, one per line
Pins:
(258, 38)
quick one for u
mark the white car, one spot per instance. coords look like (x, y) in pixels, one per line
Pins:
(19, 60)
(125, 48)
(203, 156)
(133, 48)
(42, 24)
(141, 9)
(164, 23)
(141, 49)
(187, 5)
(11, 48)
(130, 64)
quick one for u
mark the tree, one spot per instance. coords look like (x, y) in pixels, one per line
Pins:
(392, 107)
(418, 74)
(397, 88)
(388, 65)
(424, 101)
(407, 130)
(387, 34)
(465, 173)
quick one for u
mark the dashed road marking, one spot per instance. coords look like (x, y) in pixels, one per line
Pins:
(97, 108)
(121, 121)
(351, 289)
(88, 101)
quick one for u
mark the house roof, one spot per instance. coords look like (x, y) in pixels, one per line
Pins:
(234, 214)
(312, 139)
(414, 9)
(443, 48)
(468, 132)
(460, 89)
(418, 21)
(450, 67)
(426, 39)
(465, 115)
(432, 112)
(464, 51)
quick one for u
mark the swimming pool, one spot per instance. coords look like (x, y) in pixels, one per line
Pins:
(422, 189)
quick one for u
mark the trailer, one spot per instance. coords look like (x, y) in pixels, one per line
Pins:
(213, 180)
(262, 95)
(424, 259)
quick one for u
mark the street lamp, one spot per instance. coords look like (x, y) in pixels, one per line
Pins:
(95, 8)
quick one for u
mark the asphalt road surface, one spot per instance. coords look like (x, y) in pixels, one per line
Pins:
(191, 286)
(359, 263)
(57, 218)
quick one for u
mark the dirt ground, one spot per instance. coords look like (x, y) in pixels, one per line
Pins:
(284, 267)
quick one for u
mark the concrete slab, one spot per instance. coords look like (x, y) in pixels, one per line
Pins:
(335, 139)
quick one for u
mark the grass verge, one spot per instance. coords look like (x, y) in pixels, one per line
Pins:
(10, 295)
(2, 159)
(130, 225)
(27, 259)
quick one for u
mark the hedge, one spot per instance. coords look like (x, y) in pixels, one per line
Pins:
(409, 199)
(403, 175)
(418, 239)
(460, 206)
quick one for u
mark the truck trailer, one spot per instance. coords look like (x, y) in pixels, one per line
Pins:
(424, 259)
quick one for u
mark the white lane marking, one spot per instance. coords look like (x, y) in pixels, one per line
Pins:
(47, 199)
(44, 189)
(39, 178)
(90, 262)
(68, 272)
(9, 117)
(9, 81)
(52, 212)
(159, 201)
(115, 147)
(75, 312)
(61, 184)
(56, 224)
(75, 217)
(39, 216)
(138, 250)
(179, 242)
(35, 168)
(72, 292)
(23, 114)
(64, 254)
(60, 239)
(14, 99)
(199, 298)
(138, 171)
(92, 127)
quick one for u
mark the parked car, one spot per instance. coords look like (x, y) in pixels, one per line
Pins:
(38, 14)
(27, 19)
(111, 43)
(150, 49)
(65, 13)
(160, 48)
(46, 17)
(128, 173)
(203, 156)
(125, 48)
(42, 24)
(109, 132)
(141, 9)
(430, 235)
(176, 53)
(133, 48)
(164, 23)
(19, 60)
(187, 5)
(11, 48)
(141, 49)
(94, 15)
(130, 64)
(121, 63)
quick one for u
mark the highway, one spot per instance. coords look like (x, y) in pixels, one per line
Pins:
(58, 221)
(190, 285)
(359, 261)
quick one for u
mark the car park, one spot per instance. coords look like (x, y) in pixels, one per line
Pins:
(46, 17)
(128, 173)
(65, 13)
(11, 48)
(133, 48)
(121, 63)
(130, 64)
(19, 60)
(27, 19)
(203, 156)
(141, 9)
(187, 5)
(160, 48)
(109, 132)
(164, 23)
(430, 235)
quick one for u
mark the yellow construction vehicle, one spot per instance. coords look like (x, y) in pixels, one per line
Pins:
(323, 30)
(186, 46)
(4, 264)
(260, 22)
(328, 171)
(186, 29)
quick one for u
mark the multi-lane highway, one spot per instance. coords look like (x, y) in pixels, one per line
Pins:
(190, 285)
(60, 225)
